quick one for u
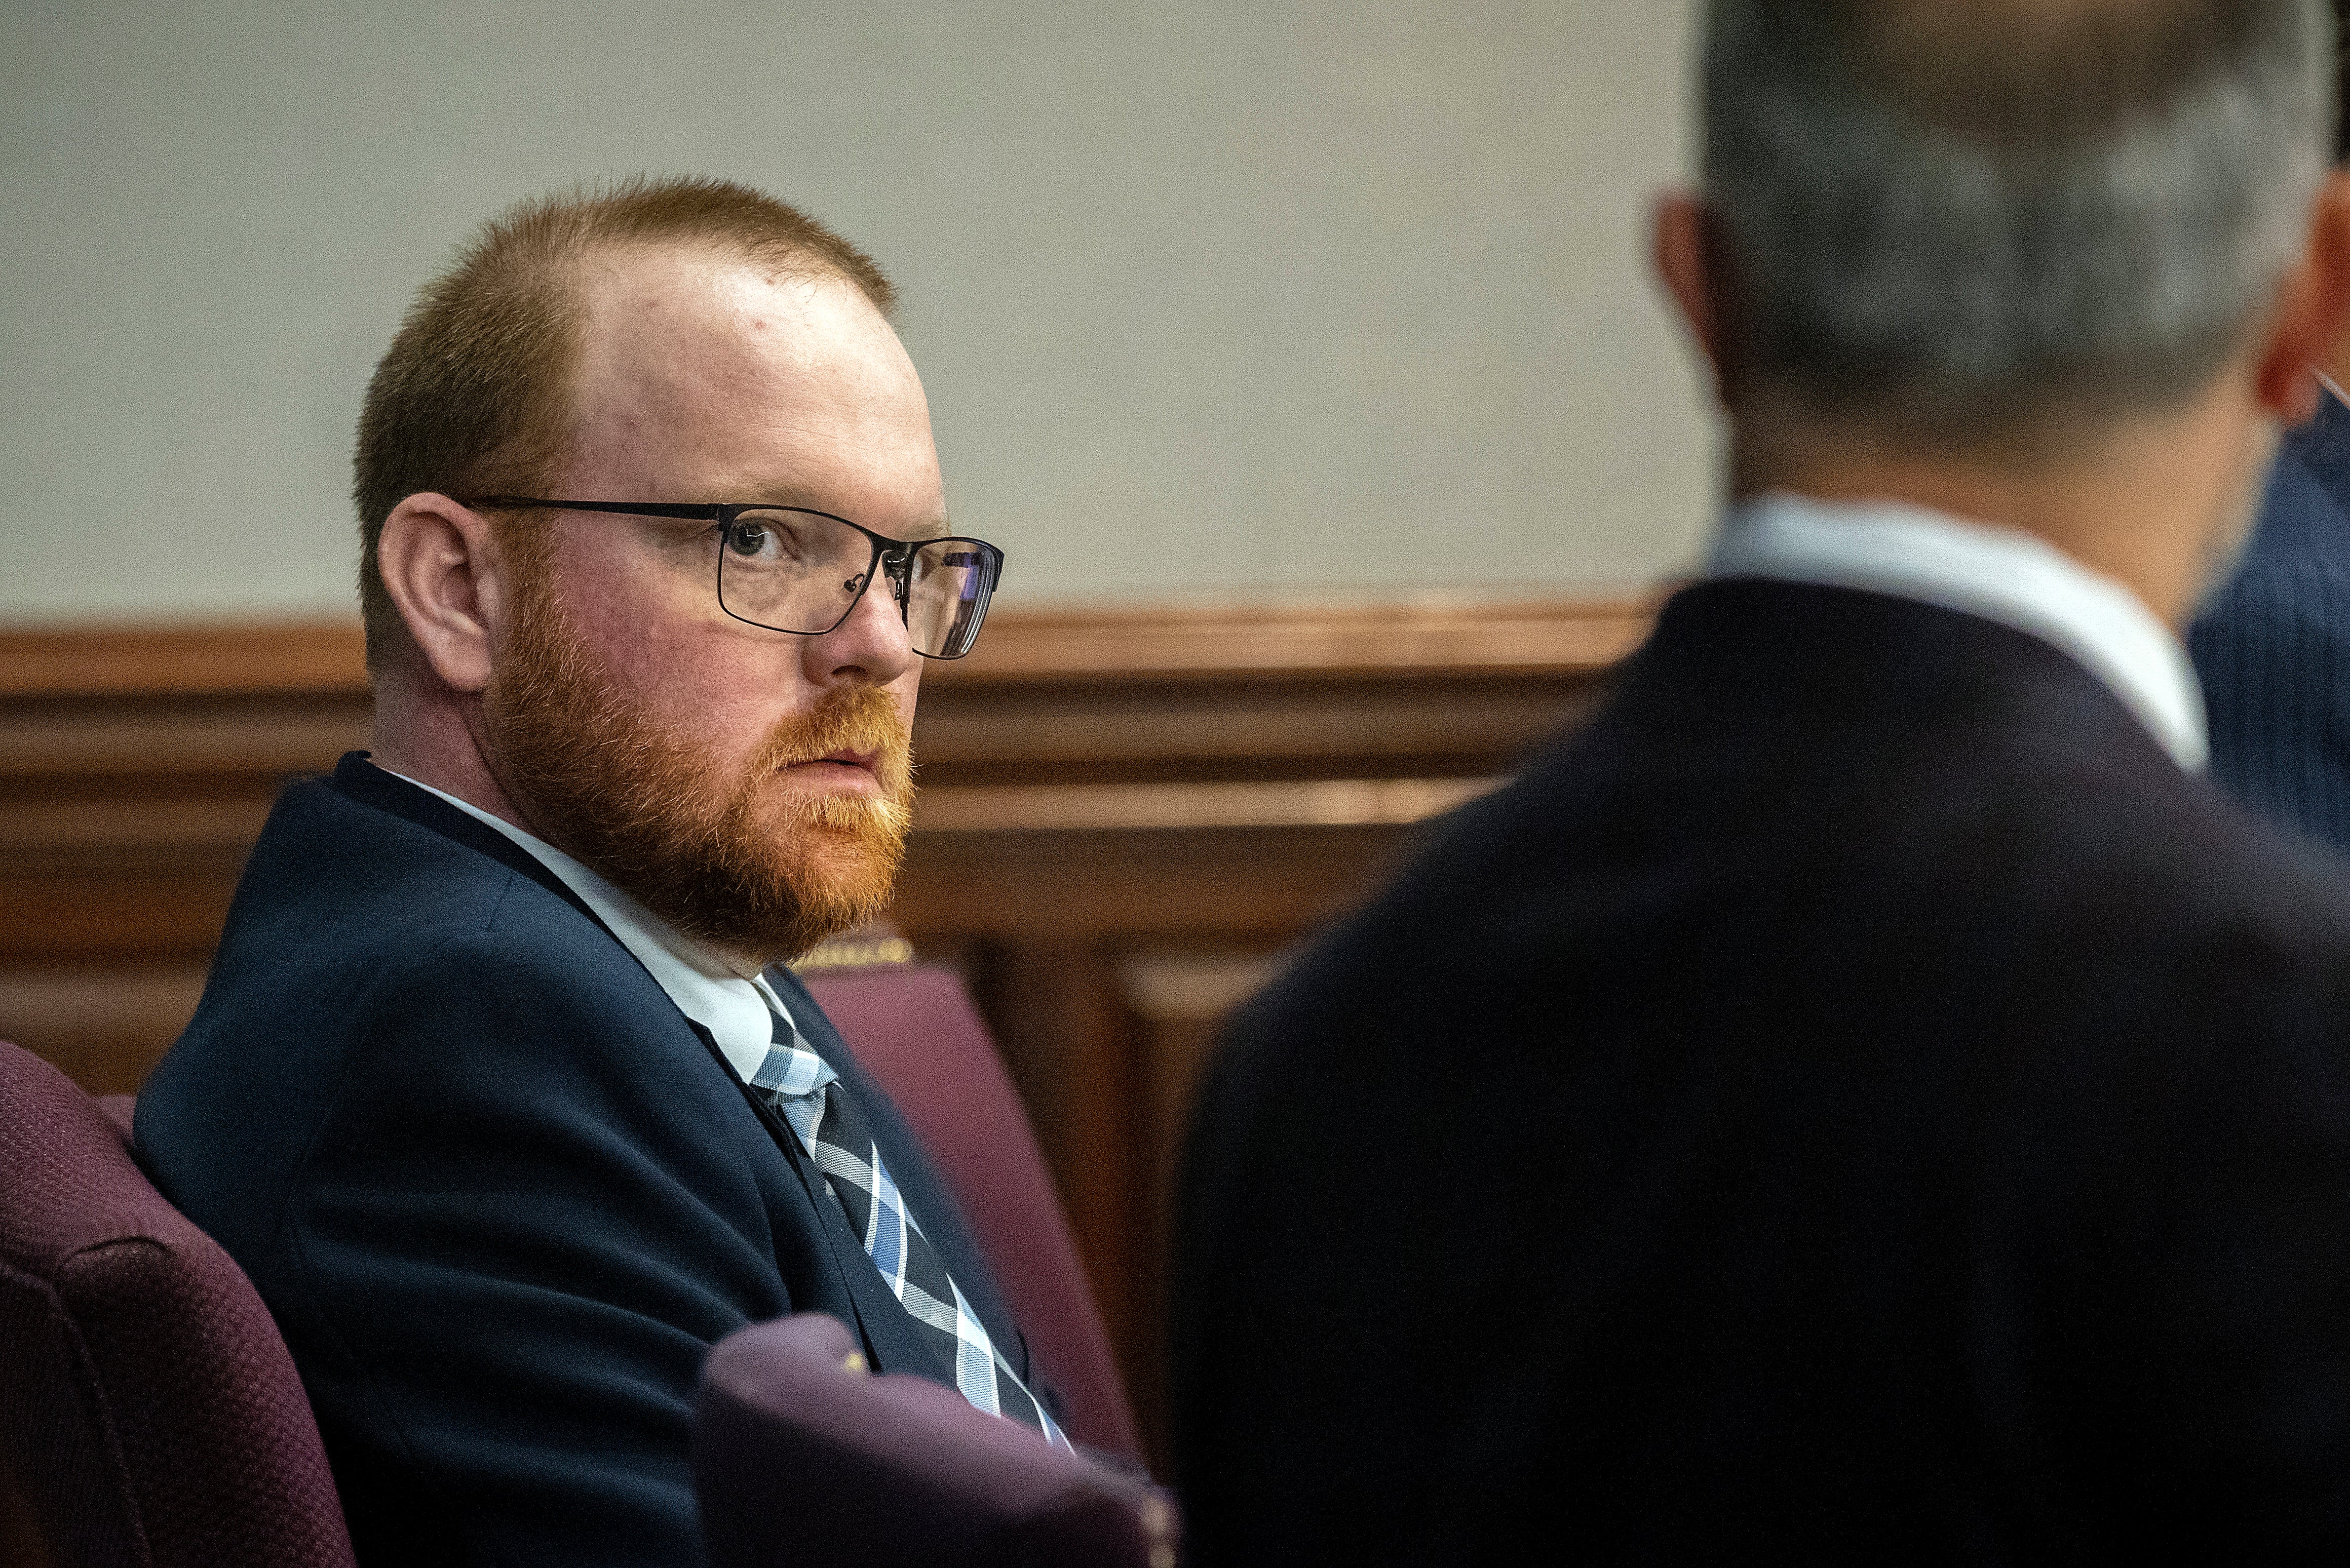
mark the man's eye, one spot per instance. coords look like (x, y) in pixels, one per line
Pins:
(750, 539)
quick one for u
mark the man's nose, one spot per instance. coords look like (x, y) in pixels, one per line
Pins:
(871, 644)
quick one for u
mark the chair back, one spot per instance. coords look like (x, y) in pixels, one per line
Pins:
(907, 1472)
(149, 1414)
(914, 1028)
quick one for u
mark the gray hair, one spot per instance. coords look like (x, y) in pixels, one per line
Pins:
(1963, 215)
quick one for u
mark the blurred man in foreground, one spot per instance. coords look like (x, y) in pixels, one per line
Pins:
(1865, 1095)
(2272, 645)
(496, 1091)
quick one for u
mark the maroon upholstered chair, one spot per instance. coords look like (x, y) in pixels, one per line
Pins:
(915, 1029)
(909, 1473)
(149, 1414)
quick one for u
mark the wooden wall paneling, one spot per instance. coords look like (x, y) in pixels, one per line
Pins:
(195, 660)
(1198, 728)
(1229, 641)
(105, 1025)
(1053, 1005)
(129, 796)
(1257, 883)
(1177, 1000)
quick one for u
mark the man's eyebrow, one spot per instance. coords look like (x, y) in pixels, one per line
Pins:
(936, 527)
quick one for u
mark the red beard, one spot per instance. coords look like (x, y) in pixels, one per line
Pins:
(738, 861)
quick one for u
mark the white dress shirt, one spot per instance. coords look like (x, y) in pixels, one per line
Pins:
(1999, 574)
(738, 1010)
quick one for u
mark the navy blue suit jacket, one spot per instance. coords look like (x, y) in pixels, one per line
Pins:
(1856, 1100)
(2272, 646)
(500, 1194)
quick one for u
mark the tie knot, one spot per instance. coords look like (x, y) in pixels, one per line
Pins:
(792, 1068)
(795, 1078)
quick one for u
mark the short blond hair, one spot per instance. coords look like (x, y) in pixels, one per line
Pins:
(475, 394)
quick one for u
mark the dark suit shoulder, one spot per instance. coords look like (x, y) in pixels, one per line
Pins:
(1992, 874)
(498, 1193)
(334, 882)
(1851, 799)
(369, 962)
(1858, 1057)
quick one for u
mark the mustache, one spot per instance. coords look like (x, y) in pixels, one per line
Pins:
(859, 718)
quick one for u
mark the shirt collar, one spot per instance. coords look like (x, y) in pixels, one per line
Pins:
(739, 1013)
(1999, 574)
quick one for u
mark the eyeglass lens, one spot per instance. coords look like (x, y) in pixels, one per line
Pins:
(802, 571)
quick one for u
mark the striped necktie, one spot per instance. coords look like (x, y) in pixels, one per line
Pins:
(808, 1095)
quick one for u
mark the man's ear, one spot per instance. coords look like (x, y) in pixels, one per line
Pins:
(441, 569)
(1685, 246)
(2306, 330)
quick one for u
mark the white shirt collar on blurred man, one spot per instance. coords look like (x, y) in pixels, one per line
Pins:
(1997, 574)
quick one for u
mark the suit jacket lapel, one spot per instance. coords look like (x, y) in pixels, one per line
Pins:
(890, 1340)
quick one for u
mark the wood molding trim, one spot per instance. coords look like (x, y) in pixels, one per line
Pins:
(1423, 638)
(133, 759)
(277, 659)
(1125, 808)
(1189, 770)
(1283, 642)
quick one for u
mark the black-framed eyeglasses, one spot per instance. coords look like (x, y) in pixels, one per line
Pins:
(790, 569)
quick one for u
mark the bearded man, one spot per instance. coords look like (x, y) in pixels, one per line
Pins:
(496, 1091)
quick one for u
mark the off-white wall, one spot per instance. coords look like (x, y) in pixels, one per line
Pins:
(1211, 299)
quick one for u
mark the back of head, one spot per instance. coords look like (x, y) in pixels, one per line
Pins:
(475, 394)
(1964, 219)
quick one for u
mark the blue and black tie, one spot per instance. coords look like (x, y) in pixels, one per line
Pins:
(808, 1094)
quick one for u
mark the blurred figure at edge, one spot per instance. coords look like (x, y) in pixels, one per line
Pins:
(2272, 645)
(1867, 1095)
